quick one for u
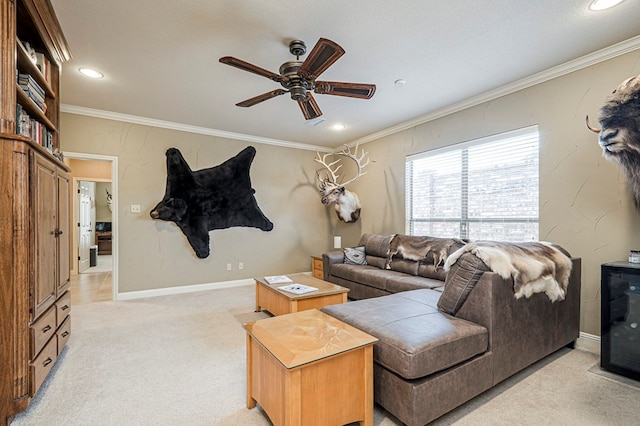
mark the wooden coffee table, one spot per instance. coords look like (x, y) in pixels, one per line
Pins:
(310, 368)
(280, 302)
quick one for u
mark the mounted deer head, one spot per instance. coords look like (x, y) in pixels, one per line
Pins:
(109, 200)
(346, 203)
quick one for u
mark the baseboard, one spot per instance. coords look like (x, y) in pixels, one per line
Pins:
(130, 295)
(588, 342)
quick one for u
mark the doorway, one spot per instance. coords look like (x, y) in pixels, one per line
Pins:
(94, 248)
(86, 201)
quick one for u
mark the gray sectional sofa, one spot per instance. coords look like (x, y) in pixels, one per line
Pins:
(445, 337)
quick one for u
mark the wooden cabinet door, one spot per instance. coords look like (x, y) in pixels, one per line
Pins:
(64, 234)
(45, 223)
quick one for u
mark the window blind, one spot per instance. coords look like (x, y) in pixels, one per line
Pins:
(482, 189)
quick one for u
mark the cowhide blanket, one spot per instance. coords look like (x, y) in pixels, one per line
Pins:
(535, 267)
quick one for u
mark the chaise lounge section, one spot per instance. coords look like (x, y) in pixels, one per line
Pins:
(443, 342)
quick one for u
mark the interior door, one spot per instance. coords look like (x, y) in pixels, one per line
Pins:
(85, 193)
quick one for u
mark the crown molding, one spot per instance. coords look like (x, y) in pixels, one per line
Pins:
(588, 60)
(134, 119)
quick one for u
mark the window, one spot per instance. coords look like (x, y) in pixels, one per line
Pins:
(486, 189)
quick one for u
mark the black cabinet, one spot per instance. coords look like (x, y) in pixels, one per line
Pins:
(620, 318)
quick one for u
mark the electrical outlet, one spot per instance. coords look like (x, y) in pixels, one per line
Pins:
(135, 208)
(240, 265)
(228, 266)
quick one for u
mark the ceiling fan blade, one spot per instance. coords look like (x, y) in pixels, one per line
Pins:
(309, 107)
(351, 90)
(246, 66)
(322, 56)
(261, 98)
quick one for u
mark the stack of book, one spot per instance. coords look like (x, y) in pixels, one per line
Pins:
(29, 127)
(33, 90)
(43, 64)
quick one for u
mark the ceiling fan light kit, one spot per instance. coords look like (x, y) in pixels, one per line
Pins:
(298, 78)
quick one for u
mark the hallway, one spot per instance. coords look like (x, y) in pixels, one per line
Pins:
(95, 284)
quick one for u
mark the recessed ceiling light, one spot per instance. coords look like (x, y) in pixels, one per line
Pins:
(604, 4)
(90, 72)
(338, 126)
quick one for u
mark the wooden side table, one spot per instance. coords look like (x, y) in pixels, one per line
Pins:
(279, 302)
(310, 368)
(317, 267)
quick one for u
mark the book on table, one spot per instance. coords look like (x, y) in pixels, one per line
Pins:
(278, 279)
(298, 288)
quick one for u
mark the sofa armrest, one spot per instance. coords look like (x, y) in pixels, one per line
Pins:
(331, 258)
(522, 331)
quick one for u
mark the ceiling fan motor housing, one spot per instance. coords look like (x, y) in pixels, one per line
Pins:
(296, 85)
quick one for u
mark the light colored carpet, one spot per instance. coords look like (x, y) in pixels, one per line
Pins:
(180, 360)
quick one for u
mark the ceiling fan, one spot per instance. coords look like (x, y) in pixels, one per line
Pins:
(299, 78)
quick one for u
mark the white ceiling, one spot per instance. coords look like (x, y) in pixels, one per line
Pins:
(160, 57)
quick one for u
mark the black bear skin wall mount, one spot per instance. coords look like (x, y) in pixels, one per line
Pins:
(215, 198)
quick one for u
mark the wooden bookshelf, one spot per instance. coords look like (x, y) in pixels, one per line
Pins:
(34, 206)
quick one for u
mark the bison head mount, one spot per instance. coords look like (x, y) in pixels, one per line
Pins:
(332, 189)
(619, 132)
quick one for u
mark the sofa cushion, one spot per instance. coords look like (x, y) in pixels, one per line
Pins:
(376, 261)
(415, 339)
(402, 265)
(375, 244)
(365, 274)
(406, 283)
(461, 279)
(431, 271)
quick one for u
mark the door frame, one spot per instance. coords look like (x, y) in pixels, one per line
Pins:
(114, 212)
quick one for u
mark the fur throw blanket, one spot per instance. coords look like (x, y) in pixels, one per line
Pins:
(535, 267)
(429, 250)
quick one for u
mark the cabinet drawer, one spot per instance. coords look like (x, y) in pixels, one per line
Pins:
(63, 306)
(42, 330)
(316, 267)
(63, 334)
(317, 263)
(43, 363)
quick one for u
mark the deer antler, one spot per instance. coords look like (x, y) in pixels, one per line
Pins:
(346, 152)
(323, 160)
(333, 171)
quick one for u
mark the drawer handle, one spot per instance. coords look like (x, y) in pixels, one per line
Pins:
(65, 307)
(46, 328)
(47, 362)
(65, 334)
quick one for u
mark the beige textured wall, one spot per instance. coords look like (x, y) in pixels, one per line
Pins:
(155, 254)
(584, 204)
